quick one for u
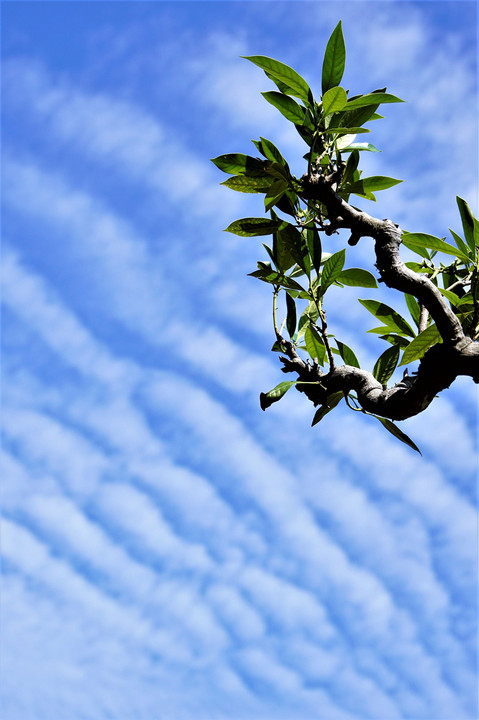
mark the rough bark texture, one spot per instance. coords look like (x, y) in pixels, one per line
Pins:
(442, 363)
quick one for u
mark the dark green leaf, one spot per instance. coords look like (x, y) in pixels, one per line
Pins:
(334, 59)
(351, 167)
(267, 399)
(286, 105)
(332, 269)
(291, 315)
(334, 100)
(275, 193)
(314, 246)
(357, 116)
(331, 402)
(239, 164)
(293, 242)
(372, 99)
(250, 227)
(394, 430)
(471, 229)
(388, 316)
(417, 347)
(315, 345)
(246, 184)
(296, 85)
(393, 338)
(421, 240)
(386, 364)
(347, 354)
(357, 277)
(272, 153)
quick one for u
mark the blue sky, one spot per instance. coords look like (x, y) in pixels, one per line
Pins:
(170, 551)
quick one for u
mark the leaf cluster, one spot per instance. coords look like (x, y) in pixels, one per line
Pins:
(297, 264)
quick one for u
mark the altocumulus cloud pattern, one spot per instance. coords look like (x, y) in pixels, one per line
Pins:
(170, 552)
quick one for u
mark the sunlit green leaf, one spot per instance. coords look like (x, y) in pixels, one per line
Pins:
(360, 146)
(372, 99)
(417, 347)
(372, 184)
(334, 100)
(250, 227)
(272, 153)
(267, 399)
(451, 296)
(386, 364)
(332, 269)
(422, 240)
(315, 345)
(357, 277)
(399, 434)
(334, 59)
(296, 84)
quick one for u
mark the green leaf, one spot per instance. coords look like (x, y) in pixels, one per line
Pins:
(310, 315)
(244, 184)
(394, 430)
(331, 402)
(275, 193)
(296, 85)
(315, 345)
(293, 242)
(360, 147)
(347, 354)
(286, 105)
(386, 364)
(462, 245)
(372, 184)
(413, 307)
(388, 316)
(372, 99)
(351, 167)
(291, 315)
(250, 227)
(266, 273)
(334, 59)
(314, 246)
(239, 164)
(332, 269)
(267, 399)
(357, 116)
(334, 100)
(357, 277)
(417, 347)
(393, 339)
(452, 297)
(421, 240)
(471, 228)
(272, 153)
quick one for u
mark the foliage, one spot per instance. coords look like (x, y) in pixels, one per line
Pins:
(303, 213)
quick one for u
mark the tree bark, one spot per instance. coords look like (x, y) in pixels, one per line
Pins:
(441, 364)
